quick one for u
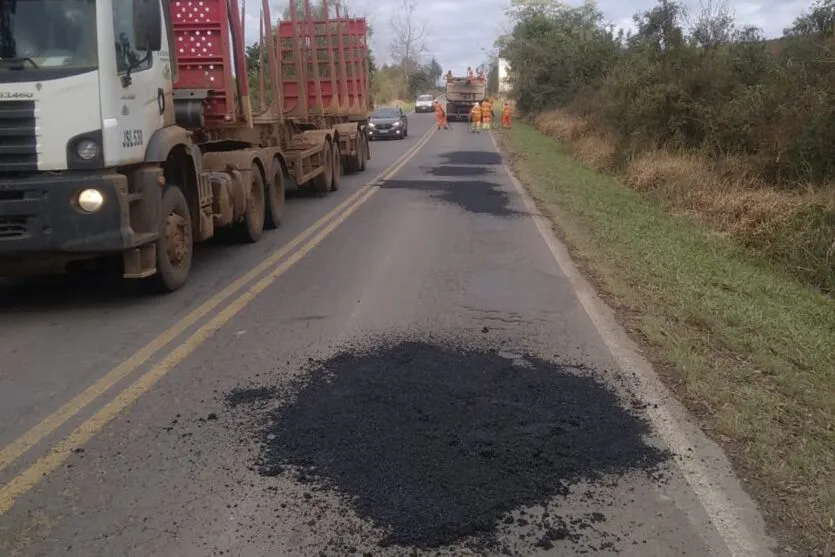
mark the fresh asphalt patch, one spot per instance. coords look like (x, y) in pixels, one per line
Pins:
(474, 196)
(482, 158)
(437, 444)
(450, 171)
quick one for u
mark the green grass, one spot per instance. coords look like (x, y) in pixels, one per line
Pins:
(748, 348)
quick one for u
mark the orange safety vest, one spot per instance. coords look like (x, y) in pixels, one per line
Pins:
(487, 111)
(476, 113)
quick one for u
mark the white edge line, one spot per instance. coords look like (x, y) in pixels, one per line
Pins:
(732, 519)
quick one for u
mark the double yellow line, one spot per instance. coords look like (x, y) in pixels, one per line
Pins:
(271, 269)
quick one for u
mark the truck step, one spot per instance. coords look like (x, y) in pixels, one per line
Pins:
(143, 238)
(140, 262)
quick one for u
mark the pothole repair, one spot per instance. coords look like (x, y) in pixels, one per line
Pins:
(438, 444)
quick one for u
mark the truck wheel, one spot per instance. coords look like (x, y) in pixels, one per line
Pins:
(336, 181)
(366, 150)
(354, 162)
(362, 153)
(350, 164)
(251, 228)
(275, 197)
(323, 182)
(175, 246)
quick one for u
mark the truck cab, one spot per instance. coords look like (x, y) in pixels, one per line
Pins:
(85, 103)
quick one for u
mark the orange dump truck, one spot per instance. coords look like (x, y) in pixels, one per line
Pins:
(461, 95)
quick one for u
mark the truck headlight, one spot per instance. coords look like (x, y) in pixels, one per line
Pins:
(90, 200)
(87, 150)
(396, 124)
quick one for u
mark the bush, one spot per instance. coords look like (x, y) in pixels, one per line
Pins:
(711, 119)
(710, 86)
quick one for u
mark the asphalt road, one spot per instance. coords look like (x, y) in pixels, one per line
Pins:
(424, 372)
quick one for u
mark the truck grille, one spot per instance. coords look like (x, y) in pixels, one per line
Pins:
(383, 126)
(12, 227)
(18, 142)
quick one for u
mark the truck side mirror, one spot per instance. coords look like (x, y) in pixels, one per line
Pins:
(147, 25)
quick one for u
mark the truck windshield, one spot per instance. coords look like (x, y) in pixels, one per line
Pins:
(36, 34)
(425, 98)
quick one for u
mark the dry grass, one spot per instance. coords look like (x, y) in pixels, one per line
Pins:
(747, 347)
(684, 183)
(562, 126)
(795, 229)
(597, 151)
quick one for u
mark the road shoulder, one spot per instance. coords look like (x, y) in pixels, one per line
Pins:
(688, 299)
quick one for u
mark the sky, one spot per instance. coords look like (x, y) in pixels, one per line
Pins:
(459, 33)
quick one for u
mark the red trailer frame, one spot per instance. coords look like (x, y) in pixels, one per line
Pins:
(321, 65)
(324, 66)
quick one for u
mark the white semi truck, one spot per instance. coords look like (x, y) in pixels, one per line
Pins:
(125, 136)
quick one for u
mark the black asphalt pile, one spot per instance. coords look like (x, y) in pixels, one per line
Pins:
(438, 443)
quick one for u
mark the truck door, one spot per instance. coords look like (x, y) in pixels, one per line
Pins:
(137, 90)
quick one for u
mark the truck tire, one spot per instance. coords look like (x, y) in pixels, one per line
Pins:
(175, 246)
(352, 162)
(275, 196)
(366, 150)
(251, 228)
(336, 181)
(323, 182)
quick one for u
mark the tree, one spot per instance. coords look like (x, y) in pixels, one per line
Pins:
(425, 79)
(316, 8)
(714, 26)
(409, 37)
(819, 20)
(253, 54)
(493, 76)
(435, 71)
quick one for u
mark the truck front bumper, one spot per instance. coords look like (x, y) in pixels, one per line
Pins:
(40, 214)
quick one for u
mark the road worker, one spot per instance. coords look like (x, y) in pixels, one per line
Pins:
(487, 114)
(481, 78)
(449, 77)
(475, 117)
(506, 112)
(440, 116)
(470, 76)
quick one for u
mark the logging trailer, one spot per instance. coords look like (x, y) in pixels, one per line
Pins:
(126, 136)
